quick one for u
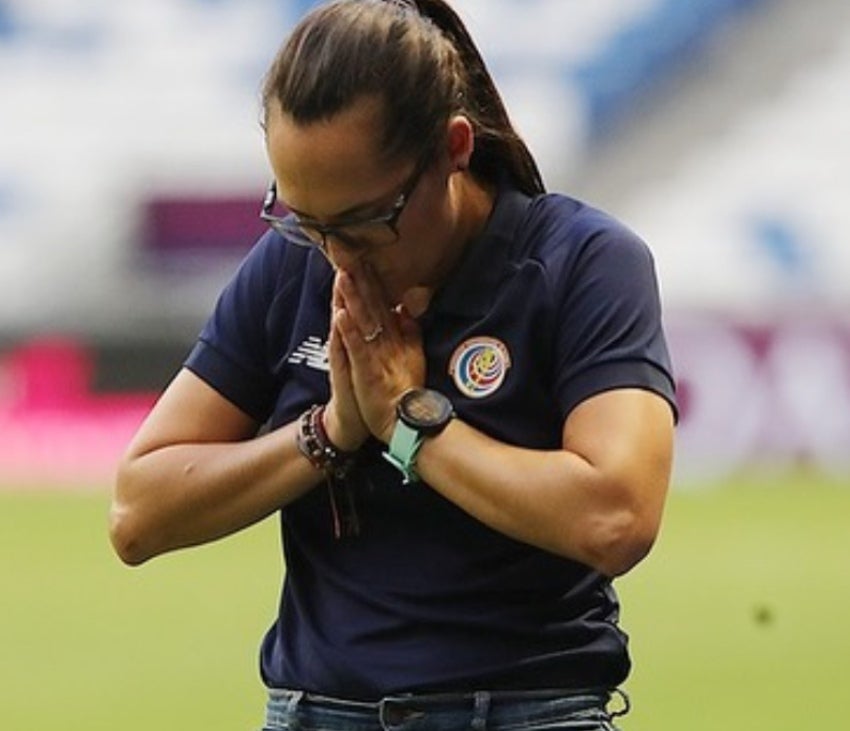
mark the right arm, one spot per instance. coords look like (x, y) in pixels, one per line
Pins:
(196, 472)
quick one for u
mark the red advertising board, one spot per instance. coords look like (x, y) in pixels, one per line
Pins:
(770, 393)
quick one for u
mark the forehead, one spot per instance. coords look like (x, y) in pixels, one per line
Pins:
(328, 165)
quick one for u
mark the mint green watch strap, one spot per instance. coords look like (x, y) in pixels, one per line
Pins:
(404, 446)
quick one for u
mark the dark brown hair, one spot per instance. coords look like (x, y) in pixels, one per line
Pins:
(417, 56)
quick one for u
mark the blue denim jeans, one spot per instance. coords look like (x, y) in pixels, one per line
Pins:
(291, 710)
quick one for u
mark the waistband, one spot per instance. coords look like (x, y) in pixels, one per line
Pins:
(398, 705)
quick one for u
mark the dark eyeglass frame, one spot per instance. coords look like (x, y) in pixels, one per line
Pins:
(295, 229)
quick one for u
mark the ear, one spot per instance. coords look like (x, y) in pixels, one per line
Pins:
(461, 142)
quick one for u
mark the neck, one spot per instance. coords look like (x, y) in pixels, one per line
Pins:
(478, 201)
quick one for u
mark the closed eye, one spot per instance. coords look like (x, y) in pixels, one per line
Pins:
(372, 215)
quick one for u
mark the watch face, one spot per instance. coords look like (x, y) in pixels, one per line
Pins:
(425, 410)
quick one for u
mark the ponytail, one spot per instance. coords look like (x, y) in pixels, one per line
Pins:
(498, 146)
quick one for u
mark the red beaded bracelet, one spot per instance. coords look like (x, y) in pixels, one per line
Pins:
(315, 445)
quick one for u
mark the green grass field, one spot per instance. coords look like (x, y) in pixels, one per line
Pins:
(737, 618)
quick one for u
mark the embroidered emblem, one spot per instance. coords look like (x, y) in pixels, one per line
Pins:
(479, 366)
(312, 352)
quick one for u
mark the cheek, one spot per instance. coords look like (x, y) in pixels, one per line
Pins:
(424, 232)
(399, 268)
(427, 229)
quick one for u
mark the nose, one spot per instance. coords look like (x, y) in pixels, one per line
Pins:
(339, 253)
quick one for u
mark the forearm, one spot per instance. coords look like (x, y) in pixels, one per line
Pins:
(187, 494)
(555, 500)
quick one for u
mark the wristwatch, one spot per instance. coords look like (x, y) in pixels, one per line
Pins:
(421, 413)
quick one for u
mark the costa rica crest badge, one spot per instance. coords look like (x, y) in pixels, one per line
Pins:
(479, 365)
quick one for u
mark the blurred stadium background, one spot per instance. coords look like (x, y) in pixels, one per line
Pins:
(132, 169)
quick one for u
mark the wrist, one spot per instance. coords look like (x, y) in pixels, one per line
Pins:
(337, 432)
(421, 414)
(386, 434)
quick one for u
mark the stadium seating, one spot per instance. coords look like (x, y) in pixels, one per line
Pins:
(111, 109)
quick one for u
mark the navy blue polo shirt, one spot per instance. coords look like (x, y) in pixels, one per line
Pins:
(553, 303)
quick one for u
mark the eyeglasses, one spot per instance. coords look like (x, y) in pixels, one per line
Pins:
(354, 234)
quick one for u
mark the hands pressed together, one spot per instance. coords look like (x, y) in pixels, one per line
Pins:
(375, 354)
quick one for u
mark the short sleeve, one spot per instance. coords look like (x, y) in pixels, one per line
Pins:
(231, 353)
(609, 331)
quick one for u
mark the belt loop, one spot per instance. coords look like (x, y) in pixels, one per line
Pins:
(482, 710)
(388, 717)
(281, 710)
(294, 699)
(292, 708)
(382, 709)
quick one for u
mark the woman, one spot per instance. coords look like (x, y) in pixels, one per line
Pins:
(466, 392)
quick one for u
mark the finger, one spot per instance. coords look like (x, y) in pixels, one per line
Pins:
(349, 336)
(337, 357)
(369, 278)
(344, 422)
(336, 295)
(364, 305)
(360, 351)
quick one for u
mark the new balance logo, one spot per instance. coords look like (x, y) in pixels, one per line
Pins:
(313, 353)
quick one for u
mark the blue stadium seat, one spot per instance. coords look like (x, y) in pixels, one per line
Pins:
(8, 25)
(647, 51)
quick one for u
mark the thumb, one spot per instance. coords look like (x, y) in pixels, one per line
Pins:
(407, 324)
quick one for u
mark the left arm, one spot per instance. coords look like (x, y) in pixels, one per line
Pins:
(598, 500)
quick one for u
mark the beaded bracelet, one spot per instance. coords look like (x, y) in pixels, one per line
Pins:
(315, 445)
